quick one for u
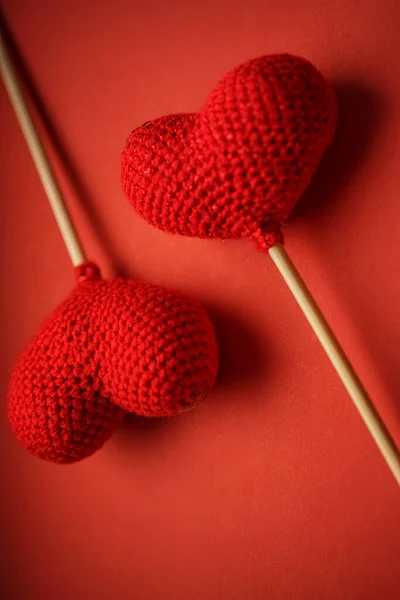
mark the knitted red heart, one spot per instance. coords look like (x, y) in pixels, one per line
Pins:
(112, 346)
(237, 168)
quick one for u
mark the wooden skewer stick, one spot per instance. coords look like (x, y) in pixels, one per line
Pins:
(40, 157)
(338, 359)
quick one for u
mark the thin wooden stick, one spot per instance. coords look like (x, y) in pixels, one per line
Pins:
(40, 157)
(338, 359)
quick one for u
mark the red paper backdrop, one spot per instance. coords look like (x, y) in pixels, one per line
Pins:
(273, 488)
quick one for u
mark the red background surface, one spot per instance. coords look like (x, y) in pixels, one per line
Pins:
(273, 487)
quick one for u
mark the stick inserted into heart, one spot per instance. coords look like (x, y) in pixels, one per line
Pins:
(112, 346)
(236, 170)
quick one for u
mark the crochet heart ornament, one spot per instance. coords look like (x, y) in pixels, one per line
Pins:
(237, 168)
(110, 347)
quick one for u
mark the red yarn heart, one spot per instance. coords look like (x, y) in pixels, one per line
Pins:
(112, 346)
(237, 168)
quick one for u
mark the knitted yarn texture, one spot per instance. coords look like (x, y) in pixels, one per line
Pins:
(237, 168)
(111, 347)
